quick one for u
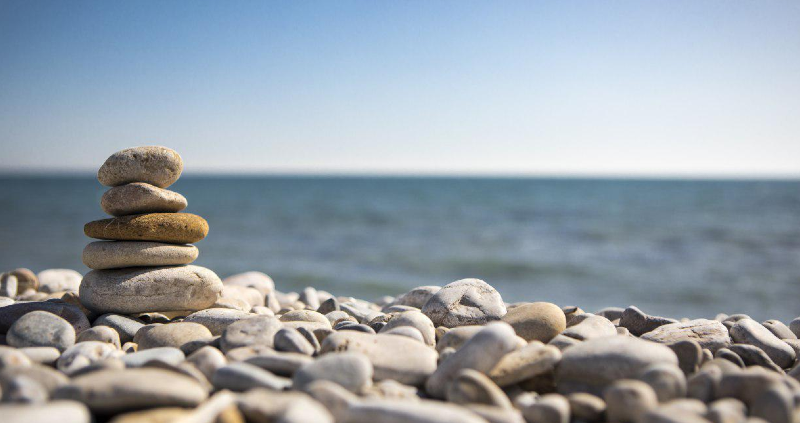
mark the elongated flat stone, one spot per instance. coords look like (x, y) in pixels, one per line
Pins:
(115, 254)
(143, 290)
(177, 228)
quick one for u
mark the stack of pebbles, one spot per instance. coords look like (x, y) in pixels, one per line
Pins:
(143, 266)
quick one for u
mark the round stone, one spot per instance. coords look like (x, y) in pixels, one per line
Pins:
(592, 365)
(142, 290)
(159, 166)
(125, 326)
(536, 321)
(417, 297)
(178, 228)
(59, 280)
(139, 198)
(172, 335)
(465, 302)
(72, 314)
(416, 320)
(116, 254)
(41, 329)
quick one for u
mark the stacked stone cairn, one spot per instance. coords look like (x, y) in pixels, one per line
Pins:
(133, 350)
(144, 264)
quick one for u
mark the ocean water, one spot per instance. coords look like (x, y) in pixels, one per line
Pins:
(674, 248)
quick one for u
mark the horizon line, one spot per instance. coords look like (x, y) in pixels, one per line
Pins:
(711, 176)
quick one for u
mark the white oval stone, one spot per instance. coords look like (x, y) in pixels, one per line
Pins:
(140, 198)
(159, 166)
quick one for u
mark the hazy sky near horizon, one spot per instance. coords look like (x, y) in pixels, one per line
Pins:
(572, 88)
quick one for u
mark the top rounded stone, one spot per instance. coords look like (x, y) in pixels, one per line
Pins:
(159, 166)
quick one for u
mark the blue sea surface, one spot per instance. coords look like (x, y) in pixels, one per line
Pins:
(676, 248)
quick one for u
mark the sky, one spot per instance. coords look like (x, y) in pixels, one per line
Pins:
(630, 88)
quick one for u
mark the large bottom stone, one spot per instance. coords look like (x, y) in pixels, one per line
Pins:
(144, 290)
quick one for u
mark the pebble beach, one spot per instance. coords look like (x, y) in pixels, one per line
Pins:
(147, 336)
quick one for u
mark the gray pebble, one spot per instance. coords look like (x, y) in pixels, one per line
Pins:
(628, 400)
(290, 340)
(482, 353)
(169, 355)
(748, 331)
(102, 334)
(417, 297)
(590, 327)
(667, 381)
(779, 329)
(639, 323)
(351, 370)
(280, 363)
(549, 408)
(709, 334)
(418, 321)
(258, 330)
(125, 326)
(241, 377)
(41, 329)
(471, 386)
(217, 319)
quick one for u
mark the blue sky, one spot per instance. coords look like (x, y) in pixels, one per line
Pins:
(555, 88)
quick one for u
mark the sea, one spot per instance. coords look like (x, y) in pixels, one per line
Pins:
(677, 248)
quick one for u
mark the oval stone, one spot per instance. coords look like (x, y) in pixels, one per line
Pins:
(116, 254)
(178, 228)
(592, 365)
(113, 391)
(142, 290)
(139, 198)
(159, 166)
(41, 329)
(465, 302)
(58, 280)
(72, 314)
(536, 321)
(172, 335)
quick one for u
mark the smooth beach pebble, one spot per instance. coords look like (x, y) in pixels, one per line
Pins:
(351, 370)
(102, 334)
(638, 323)
(115, 254)
(241, 377)
(140, 198)
(594, 364)
(550, 408)
(748, 331)
(473, 387)
(217, 319)
(394, 357)
(155, 165)
(58, 280)
(266, 406)
(536, 321)
(114, 391)
(173, 335)
(258, 280)
(709, 334)
(72, 314)
(465, 302)
(525, 363)
(41, 329)
(628, 400)
(84, 354)
(178, 228)
(590, 326)
(416, 320)
(54, 411)
(126, 326)
(259, 330)
(41, 355)
(482, 353)
(140, 290)
(417, 297)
